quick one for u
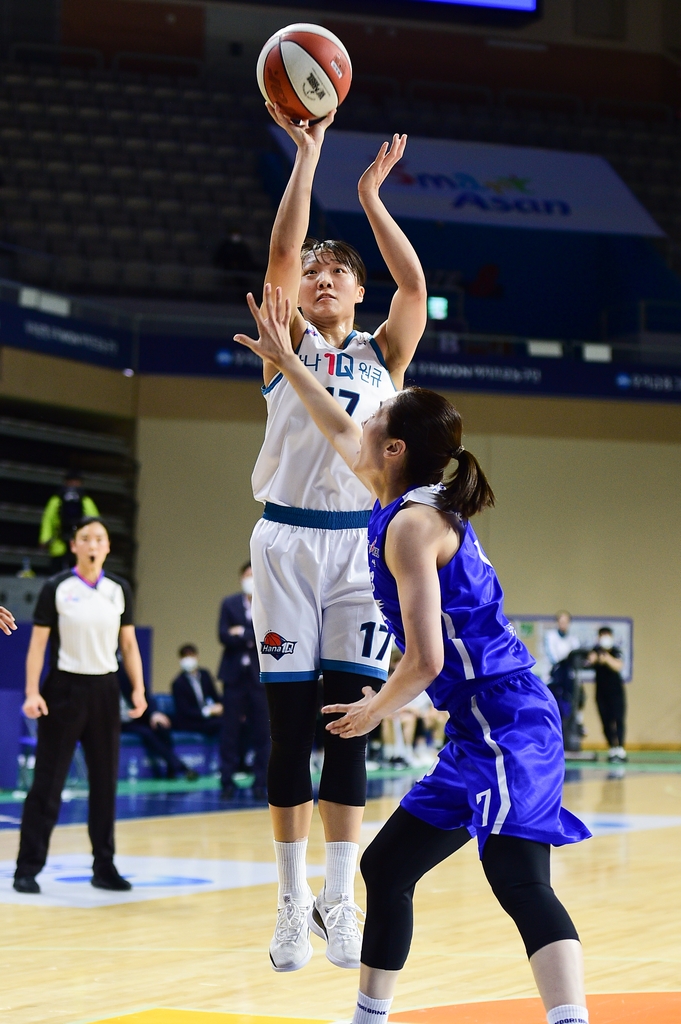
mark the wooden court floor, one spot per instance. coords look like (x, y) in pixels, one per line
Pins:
(202, 958)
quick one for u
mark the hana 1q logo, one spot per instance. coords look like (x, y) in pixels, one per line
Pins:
(276, 645)
(510, 193)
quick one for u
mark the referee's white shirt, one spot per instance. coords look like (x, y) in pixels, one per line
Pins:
(85, 621)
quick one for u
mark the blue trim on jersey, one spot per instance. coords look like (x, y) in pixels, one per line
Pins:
(379, 356)
(316, 519)
(351, 335)
(288, 677)
(355, 669)
(272, 384)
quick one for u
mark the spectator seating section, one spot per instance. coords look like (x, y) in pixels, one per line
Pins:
(196, 750)
(118, 182)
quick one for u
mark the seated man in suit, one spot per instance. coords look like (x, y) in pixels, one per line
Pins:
(198, 707)
(244, 699)
(153, 730)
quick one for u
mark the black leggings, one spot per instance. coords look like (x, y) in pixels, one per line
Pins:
(293, 715)
(611, 704)
(406, 848)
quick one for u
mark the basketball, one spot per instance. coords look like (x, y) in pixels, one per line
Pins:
(306, 70)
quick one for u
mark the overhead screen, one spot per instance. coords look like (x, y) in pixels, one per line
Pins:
(507, 13)
(529, 6)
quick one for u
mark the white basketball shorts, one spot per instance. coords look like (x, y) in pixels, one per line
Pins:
(313, 607)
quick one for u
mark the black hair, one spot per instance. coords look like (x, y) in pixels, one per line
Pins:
(343, 252)
(605, 629)
(187, 649)
(87, 521)
(244, 567)
(431, 428)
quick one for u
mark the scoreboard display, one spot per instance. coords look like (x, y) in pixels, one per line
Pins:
(510, 13)
(528, 6)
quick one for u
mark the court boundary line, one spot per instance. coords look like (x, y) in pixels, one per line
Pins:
(410, 1009)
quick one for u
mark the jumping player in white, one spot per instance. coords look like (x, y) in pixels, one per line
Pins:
(500, 776)
(313, 609)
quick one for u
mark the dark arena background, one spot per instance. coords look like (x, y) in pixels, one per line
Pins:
(140, 174)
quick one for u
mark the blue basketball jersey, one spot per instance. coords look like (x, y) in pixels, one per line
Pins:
(479, 641)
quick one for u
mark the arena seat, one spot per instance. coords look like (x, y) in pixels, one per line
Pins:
(196, 750)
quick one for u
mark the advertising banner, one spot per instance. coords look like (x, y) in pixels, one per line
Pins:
(481, 183)
(63, 336)
(200, 357)
(219, 357)
(546, 377)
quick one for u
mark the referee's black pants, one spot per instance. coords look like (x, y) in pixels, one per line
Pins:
(84, 708)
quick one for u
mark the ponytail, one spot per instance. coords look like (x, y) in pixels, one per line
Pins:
(468, 492)
(431, 428)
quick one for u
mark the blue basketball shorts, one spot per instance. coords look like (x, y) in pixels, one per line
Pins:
(502, 771)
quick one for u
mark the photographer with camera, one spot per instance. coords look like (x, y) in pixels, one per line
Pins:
(608, 663)
(565, 658)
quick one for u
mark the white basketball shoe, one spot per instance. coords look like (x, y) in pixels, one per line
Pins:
(337, 923)
(290, 948)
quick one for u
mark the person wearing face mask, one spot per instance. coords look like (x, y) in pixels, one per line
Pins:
(244, 698)
(560, 647)
(607, 661)
(198, 707)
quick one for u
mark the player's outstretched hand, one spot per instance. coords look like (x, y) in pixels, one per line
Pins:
(7, 623)
(358, 719)
(378, 171)
(303, 133)
(274, 342)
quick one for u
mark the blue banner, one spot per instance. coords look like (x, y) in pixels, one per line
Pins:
(202, 357)
(547, 377)
(212, 357)
(64, 336)
(184, 355)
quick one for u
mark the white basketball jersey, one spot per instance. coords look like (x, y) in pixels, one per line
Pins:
(297, 466)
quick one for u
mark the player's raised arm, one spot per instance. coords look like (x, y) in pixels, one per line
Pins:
(401, 332)
(274, 346)
(291, 223)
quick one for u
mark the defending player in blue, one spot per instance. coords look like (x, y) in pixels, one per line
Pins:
(499, 778)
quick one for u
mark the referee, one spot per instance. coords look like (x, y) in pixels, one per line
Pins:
(86, 614)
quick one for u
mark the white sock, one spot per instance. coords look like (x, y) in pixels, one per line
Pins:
(291, 870)
(371, 1011)
(568, 1014)
(341, 865)
(400, 748)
